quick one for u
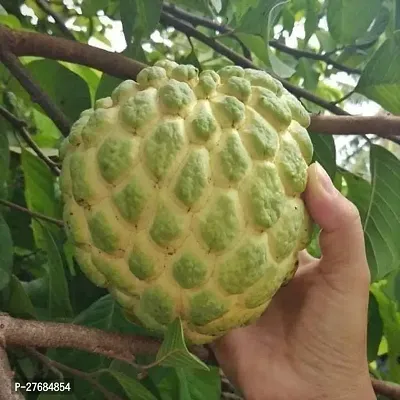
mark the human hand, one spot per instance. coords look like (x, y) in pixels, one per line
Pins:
(311, 341)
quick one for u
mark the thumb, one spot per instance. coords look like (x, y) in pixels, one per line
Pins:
(342, 237)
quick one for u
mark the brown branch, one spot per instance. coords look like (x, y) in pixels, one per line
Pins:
(387, 389)
(23, 43)
(55, 365)
(22, 128)
(45, 6)
(386, 126)
(6, 378)
(26, 333)
(244, 62)
(37, 94)
(33, 214)
(208, 23)
(28, 43)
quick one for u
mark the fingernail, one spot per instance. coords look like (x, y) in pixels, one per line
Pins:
(324, 180)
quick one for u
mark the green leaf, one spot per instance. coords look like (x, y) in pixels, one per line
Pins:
(312, 19)
(39, 193)
(188, 384)
(139, 17)
(91, 76)
(256, 44)
(311, 76)
(48, 135)
(378, 27)
(375, 328)
(173, 351)
(380, 80)
(349, 20)
(326, 41)
(90, 7)
(133, 388)
(199, 5)
(106, 85)
(391, 330)
(199, 385)
(217, 4)
(19, 303)
(9, 20)
(325, 152)
(397, 287)
(256, 21)
(106, 314)
(68, 90)
(4, 161)
(278, 66)
(59, 301)
(379, 206)
(6, 253)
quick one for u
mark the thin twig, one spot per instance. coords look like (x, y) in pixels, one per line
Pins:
(313, 56)
(33, 214)
(22, 128)
(244, 62)
(52, 364)
(6, 378)
(37, 94)
(345, 97)
(208, 23)
(387, 389)
(45, 6)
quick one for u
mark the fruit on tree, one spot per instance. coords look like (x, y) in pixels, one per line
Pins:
(182, 193)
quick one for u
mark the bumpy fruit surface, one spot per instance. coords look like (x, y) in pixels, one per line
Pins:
(182, 195)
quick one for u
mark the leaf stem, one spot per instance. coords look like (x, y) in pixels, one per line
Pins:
(22, 128)
(45, 6)
(55, 365)
(37, 94)
(33, 214)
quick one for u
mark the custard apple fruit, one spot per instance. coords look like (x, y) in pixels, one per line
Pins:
(182, 193)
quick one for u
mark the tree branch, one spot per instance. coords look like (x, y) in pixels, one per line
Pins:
(22, 43)
(21, 125)
(28, 43)
(6, 378)
(313, 56)
(45, 6)
(387, 389)
(33, 214)
(386, 126)
(244, 62)
(37, 94)
(26, 333)
(208, 23)
(55, 365)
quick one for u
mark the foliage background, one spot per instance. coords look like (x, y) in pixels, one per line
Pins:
(346, 52)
